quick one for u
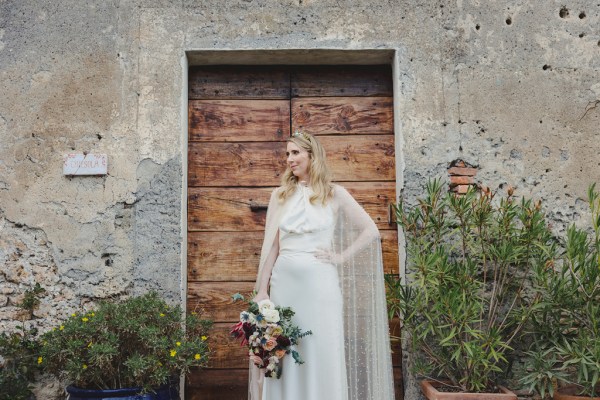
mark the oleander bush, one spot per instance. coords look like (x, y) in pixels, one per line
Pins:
(475, 264)
(566, 324)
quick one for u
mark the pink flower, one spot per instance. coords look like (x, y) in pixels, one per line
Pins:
(270, 345)
(238, 332)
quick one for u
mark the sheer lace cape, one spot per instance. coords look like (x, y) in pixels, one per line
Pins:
(366, 332)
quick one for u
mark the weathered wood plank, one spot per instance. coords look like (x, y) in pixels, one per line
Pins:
(353, 158)
(227, 209)
(209, 384)
(226, 352)
(235, 164)
(342, 80)
(343, 115)
(375, 198)
(229, 256)
(214, 299)
(396, 344)
(361, 157)
(389, 247)
(239, 209)
(238, 120)
(223, 256)
(398, 383)
(225, 392)
(237, 82)
(217, 384)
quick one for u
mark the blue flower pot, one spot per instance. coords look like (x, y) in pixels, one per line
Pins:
(165, 392)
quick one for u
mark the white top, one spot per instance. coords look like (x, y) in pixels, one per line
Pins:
(300, 216)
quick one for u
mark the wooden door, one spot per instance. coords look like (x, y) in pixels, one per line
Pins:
(239, 119)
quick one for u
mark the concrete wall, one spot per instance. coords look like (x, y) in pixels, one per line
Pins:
(511, 86)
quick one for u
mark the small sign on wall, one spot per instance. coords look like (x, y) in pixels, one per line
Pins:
(85, 164)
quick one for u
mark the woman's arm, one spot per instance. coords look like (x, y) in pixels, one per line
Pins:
(361, 227)
(263, 285)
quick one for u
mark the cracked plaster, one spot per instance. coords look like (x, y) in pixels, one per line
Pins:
(504, 85)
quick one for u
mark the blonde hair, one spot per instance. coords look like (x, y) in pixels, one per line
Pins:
(318, 171)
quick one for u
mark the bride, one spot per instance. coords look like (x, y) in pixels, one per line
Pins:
(322, 256)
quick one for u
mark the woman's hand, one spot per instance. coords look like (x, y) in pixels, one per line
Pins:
(260, 296)
(329, 256)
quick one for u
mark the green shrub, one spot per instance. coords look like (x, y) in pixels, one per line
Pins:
(137, 342)
(566, 325)
(19, 353)
(473, 263)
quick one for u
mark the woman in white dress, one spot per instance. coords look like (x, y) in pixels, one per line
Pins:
(322, 257)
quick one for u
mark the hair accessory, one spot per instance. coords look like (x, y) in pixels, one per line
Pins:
(301, 134)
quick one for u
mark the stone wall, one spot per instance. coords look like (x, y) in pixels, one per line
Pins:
(512, 87)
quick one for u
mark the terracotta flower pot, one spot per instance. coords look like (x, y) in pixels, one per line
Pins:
(570, 393)
(429, 390)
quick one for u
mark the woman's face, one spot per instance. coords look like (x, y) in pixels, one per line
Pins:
(298, 160)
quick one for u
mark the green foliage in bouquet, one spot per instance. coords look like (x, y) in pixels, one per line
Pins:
(137, 342)
(566, 326)
(474, 265)
(19, 353)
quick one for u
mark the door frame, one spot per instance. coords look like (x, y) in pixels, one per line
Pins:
(191, 57)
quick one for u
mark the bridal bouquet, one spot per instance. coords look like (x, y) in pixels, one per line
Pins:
(268, 332)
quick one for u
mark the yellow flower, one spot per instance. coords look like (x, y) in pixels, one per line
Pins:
(84, 366)
(178, 343)
(90, 344)
(203, 338)
(197, 356)
(73, 315)
(92, 314)
(173, 353)
(84, 319)
(162, 314)
(40, 360)
(62, 327)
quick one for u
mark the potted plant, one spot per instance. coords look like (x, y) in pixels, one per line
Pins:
(473, 263)
(126, 349)
(566, 326)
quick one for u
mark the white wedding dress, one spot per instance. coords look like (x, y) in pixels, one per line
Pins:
(312, 288)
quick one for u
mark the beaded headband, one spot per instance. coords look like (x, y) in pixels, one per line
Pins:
(302, 135)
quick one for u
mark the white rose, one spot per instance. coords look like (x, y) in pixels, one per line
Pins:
(265, 305)
(271, 315)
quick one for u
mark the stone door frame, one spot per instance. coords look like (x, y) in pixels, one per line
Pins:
(286, 57)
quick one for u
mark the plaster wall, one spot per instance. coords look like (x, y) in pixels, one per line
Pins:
(510, 86)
